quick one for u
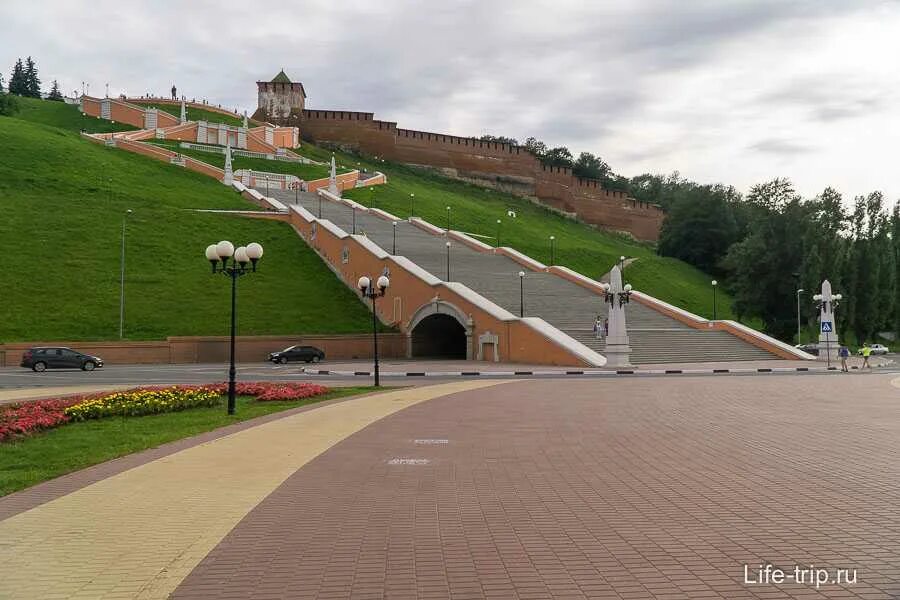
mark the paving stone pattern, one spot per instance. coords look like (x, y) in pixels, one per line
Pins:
(625, 489)
(655, 338)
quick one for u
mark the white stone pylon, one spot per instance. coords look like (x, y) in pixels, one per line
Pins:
(245, 119)
(618, 352)
(183, 118)
(332, 180)
(828, 334)
(229, 173)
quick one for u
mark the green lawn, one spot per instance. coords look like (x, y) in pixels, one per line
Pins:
(580, 247)
(78, 445)
(63, 199)
(65, 116)
(303, 171)
(195, 114)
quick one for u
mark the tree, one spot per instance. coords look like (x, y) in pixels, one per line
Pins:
(1, 83)
(895, 242)
(701, 227)
(762, 263)
(591, 167)
(499, 139)
(17, 83)
(535, 147)
(55, 93)
(32, 81)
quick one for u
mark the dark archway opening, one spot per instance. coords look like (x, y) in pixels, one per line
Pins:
(439, 336)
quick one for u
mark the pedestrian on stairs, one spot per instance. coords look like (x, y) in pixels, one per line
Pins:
(598, 328)
(606, 327)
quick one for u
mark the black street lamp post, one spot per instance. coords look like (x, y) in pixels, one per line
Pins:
(394, 226)
(521, 293)
(354, 220)
(448, 219)
(320, 205)
(368, 291)
(552, 244)
(715, 284)
(498, 233)
(218, 255)
(412, 205)
(448, 262)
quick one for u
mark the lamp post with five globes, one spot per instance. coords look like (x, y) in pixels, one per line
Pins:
(368, 291)
(218, 256)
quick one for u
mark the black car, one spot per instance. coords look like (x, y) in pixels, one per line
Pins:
(41, 359)
(304, 353)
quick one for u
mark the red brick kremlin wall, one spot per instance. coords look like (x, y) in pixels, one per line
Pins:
(503, 166)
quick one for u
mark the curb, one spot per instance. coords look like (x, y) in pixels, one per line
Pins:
(582, 373)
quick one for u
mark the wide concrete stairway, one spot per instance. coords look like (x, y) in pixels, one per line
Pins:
(654, 337)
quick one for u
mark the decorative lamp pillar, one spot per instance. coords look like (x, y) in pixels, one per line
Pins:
(228, 178)
(183, 117)
(618, 351)
(245, 119)
(828, 335)
(332, 179)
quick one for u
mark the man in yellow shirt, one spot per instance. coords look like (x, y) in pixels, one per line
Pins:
(866, 351)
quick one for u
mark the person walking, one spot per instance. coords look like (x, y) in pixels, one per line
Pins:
(598, 328)
(844, 354)
(866, 352)
(605, 327)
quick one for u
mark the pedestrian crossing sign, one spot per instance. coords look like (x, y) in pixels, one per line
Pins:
(826, 327)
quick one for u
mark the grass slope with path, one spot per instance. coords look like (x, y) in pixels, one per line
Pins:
(193, 113)
(63, 199)
(303, 171)
(78, 445)
(585, 249)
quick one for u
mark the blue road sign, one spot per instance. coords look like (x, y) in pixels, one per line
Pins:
(826, 327)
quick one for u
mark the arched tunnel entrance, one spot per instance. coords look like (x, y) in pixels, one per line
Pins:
(439, 336)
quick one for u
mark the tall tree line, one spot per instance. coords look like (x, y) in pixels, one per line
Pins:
(773, 242)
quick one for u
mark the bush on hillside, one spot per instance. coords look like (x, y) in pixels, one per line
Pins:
(8, 105)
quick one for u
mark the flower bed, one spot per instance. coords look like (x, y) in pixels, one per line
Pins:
(144, 401)
(22, 419)
(18, 420)
(265, 391)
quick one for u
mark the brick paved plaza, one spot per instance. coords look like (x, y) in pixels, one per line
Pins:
(632, 488)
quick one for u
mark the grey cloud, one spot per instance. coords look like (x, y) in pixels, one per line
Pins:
(828, 97)
(780, 147)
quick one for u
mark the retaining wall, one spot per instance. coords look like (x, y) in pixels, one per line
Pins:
(214, 349)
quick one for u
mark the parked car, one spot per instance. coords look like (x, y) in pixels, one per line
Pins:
(41, 359)
(295, 353)
(876, 349)
(808, 348)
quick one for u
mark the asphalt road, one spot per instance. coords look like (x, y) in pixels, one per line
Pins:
(18, 378)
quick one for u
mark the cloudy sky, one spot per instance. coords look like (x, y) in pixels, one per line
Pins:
(734, 91)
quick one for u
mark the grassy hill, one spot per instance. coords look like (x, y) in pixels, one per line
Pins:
(63, 199)
(580, 247)
(194, 114)
(301, 170)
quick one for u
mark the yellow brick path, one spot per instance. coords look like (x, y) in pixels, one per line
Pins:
(139, 533)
